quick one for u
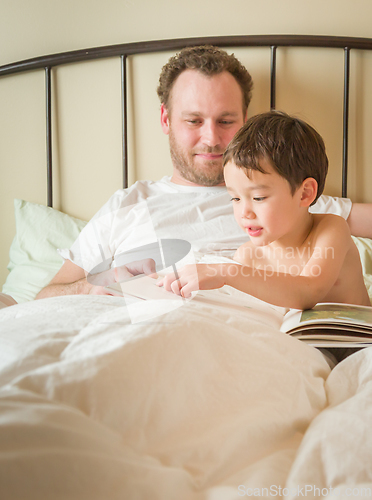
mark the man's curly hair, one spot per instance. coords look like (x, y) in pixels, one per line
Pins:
(209, 60)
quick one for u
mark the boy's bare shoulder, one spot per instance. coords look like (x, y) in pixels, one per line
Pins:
(324, 223)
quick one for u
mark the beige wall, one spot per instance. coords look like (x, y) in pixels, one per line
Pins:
(87, 105)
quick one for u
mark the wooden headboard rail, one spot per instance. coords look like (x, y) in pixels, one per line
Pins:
(128, 49)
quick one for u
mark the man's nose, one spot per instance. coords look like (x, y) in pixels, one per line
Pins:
(210, 135)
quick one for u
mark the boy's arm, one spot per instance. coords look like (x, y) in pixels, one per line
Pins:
(360, 220)
(298, 292)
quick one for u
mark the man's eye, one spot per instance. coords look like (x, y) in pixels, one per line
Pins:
(226, 122)
(193, 122)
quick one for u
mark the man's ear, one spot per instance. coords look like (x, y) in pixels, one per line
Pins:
(164, 119)
(309, 190)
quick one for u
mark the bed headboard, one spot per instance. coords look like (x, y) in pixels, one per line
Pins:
(290, 72)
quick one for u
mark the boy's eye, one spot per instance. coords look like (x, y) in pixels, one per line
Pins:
(259, 198)
(234, 199)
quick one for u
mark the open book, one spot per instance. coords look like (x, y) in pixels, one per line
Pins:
(331, 325)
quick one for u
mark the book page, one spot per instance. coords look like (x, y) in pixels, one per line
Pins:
(338, 313)
(143, 287)
(329, 313)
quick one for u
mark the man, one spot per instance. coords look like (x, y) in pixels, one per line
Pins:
(204, 94)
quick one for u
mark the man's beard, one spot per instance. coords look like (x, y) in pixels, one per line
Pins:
(208, 174)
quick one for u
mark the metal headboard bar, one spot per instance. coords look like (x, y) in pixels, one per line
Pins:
(48, 116)
(273, 77)
(127, 49)
(345, 137)
(124, 118)
(178, 43)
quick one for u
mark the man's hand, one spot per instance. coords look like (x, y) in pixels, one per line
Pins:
(123, 273)
(144, 266)
(99, 290)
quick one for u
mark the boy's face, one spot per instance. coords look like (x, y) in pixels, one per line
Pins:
(264, 205)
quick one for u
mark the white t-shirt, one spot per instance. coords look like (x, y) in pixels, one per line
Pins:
(149, 211)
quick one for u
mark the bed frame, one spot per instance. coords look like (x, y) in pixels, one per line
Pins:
(50, 62)
(109, 399)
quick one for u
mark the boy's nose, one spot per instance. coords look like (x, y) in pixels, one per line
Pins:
(248, 213)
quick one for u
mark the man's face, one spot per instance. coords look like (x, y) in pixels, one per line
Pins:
(203, 116)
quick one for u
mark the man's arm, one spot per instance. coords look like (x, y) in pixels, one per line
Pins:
(70, 280)
(358, 215)
(360, 220)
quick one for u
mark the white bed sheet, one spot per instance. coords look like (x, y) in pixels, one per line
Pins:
(205, 402)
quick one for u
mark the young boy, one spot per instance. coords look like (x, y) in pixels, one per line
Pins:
(275, 168)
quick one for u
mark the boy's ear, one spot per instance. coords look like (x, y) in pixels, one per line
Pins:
(309, 190)
(164, 119)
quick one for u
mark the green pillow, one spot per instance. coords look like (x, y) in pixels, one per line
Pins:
(364, 246)
(34, 260)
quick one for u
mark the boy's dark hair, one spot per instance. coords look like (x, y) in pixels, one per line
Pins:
(294, 148)
(209, 60)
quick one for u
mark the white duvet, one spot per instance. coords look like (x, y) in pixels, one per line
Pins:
(208, 401)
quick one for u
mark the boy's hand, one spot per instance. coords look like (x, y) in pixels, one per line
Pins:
(194, 277)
